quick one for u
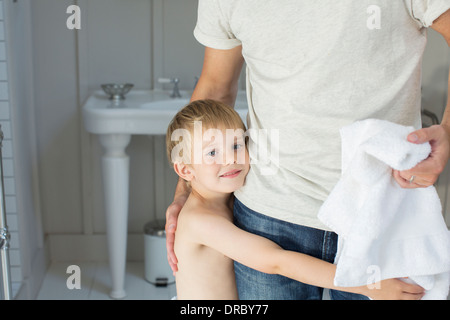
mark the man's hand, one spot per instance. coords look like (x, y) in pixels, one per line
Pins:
(427, 172)
(171, 226)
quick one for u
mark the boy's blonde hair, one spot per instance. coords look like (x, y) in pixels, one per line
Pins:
(211, 113)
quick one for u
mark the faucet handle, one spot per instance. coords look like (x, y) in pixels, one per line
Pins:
(175, 81)
(168, 80)
(164, 80)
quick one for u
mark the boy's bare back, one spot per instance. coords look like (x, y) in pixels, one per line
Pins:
(203, 273)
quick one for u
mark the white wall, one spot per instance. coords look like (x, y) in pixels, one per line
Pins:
(120, 41)
(57, 116)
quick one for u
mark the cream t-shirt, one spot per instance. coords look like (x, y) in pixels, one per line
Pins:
(314, 66)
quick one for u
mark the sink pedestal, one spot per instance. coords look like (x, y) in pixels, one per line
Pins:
(115, 169)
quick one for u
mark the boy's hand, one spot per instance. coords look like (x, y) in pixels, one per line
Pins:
(171, 226)
(394, 289)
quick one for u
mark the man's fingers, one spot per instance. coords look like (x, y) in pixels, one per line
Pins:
(171, 257)
(427, 172)
(426, 134)
(409, 181)
(171, 226)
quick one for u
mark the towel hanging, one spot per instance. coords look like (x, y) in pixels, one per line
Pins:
(386, 231)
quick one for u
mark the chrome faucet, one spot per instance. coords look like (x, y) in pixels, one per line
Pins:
(175, 81)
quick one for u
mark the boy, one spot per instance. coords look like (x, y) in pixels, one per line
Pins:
(207, 241)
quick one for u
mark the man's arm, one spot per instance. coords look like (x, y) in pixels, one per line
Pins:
(220, 75)
(427, 172)
(218, 81)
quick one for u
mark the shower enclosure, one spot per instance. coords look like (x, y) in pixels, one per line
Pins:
(6, 292)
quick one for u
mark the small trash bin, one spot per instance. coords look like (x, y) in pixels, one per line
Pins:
(157, 269)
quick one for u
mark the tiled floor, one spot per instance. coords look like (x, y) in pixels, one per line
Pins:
(95, 283)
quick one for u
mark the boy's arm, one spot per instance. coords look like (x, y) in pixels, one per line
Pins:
(320, 273)
(266, 256)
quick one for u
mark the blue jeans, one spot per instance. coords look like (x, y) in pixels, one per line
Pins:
(255, 285)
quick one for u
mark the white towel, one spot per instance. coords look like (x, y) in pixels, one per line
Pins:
(386, 231)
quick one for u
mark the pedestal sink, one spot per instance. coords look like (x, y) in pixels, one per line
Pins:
(143, 112)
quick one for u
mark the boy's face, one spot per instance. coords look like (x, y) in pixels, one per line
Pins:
(224, 160)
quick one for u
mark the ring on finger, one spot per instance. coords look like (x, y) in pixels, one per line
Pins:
(411, 180)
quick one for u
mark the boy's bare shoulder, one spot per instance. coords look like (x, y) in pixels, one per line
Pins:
(201, 221)
(193, 212)
(198, 215)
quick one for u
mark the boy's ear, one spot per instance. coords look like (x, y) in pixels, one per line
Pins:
(183, 171)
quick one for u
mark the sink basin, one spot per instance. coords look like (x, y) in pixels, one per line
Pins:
(143, 112)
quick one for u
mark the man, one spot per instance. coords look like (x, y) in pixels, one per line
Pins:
(312, 68)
